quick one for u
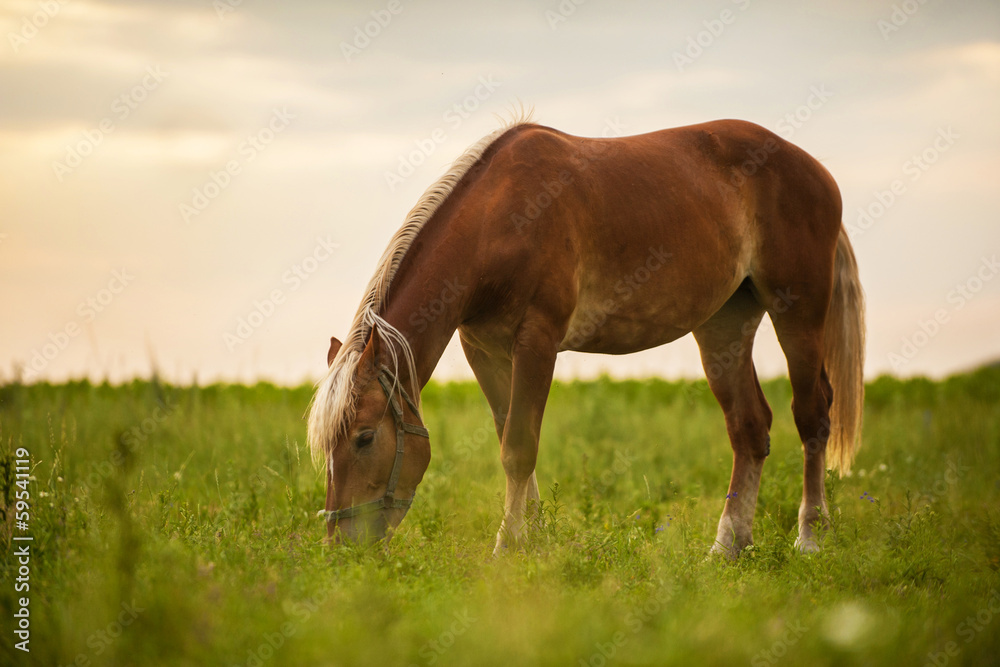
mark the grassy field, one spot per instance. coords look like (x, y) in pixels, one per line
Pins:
(176, 526)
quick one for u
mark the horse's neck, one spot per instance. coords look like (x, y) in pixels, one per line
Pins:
(426, 303)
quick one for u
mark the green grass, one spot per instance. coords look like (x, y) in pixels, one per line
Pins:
(195, 509)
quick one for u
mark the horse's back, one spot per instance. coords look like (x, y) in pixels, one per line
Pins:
(664, 186)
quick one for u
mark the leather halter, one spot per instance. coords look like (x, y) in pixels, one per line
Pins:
(389, 500)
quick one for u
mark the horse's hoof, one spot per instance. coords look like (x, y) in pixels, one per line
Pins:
(807, 546)
(722, 551)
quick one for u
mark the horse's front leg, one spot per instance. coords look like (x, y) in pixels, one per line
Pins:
(533, 361)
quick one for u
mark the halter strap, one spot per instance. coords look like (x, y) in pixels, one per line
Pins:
(390, 385)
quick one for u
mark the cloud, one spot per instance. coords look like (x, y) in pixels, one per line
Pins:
(354, 119)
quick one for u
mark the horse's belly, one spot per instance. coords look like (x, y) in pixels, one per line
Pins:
(624, 322)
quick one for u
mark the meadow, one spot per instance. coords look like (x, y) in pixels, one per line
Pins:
(177, 526)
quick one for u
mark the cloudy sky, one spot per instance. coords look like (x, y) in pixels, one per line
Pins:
(206, 186)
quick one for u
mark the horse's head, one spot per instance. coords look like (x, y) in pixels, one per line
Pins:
(380, 452)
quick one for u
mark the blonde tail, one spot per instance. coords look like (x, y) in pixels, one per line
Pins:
(845, 358)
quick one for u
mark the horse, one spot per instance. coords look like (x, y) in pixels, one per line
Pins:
(536, 241)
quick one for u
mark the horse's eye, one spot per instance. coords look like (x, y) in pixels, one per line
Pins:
(364, 439)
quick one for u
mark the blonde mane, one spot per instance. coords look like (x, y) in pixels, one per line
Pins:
(334, 404)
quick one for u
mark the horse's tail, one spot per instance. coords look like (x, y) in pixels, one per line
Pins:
(845, 358)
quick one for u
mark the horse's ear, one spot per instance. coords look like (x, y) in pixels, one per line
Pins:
(335, 346)
(372, 350)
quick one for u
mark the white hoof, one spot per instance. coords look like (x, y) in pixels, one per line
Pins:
(723, 550)
(807, 545)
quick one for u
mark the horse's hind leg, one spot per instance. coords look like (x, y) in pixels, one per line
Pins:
(726, 344)
(799, 322)
(812, 396)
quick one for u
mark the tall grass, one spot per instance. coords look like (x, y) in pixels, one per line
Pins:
(176, 526)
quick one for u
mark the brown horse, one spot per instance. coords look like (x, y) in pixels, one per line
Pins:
(536, 241)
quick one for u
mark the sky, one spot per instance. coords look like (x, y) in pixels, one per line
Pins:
(204, 188)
